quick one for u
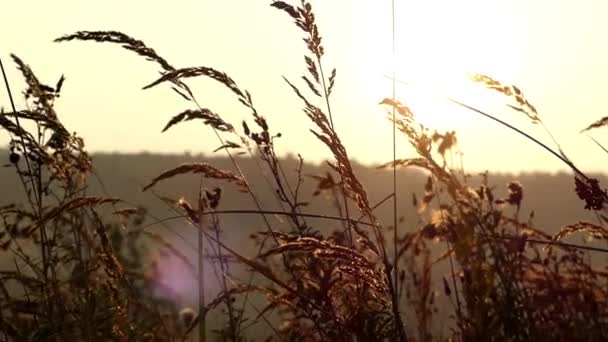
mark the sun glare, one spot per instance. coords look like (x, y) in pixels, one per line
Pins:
(435, 56)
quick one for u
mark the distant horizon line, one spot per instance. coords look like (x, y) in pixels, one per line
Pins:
(318, 161)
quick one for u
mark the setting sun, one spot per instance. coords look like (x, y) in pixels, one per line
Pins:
(303, 170)
(438, 44)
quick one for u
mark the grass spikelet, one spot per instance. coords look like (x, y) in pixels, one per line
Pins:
(131, 44)
(401, 108)
(43, 120)
(511, 91)
(418, 162)
(589, 190)
(332, 82)
(448, 141)
(597, 232)
(287, 8)
(228, 144)
(192, 214)
(311, 86)
(34, 85)
(312, 68)
(122, 39)
(208, 117)
(599, 123)
(176, 75)
(43, 95)
(318, 247)
(325, 277)
(75, 261)
(204, 168)
(28, 139)
(305, 19)
(329, 137)
(126, 212)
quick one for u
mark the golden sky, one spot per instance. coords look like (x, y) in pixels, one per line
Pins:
(554, 50)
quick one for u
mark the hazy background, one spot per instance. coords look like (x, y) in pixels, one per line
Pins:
(551, 197)
(556, 51)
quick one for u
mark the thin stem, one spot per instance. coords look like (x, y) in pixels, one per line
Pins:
(35, 189)
(10, 96)
(331, 121)
(367, 224)
(547, 148)
(398, 321)
(544, 146)
(598, 144)
(394, 133)
(202, 312)
(255, 200)
(451, 261)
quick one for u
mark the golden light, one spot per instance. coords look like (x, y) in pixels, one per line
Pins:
(439, 43)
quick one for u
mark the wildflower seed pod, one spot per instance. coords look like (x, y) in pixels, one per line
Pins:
(187, 316)
(14, 158)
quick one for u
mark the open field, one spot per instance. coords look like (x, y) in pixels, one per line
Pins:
(247, 245)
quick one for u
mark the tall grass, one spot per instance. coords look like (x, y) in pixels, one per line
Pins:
(79, 272)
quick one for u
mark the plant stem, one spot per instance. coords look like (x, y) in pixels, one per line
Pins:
(202, 336)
